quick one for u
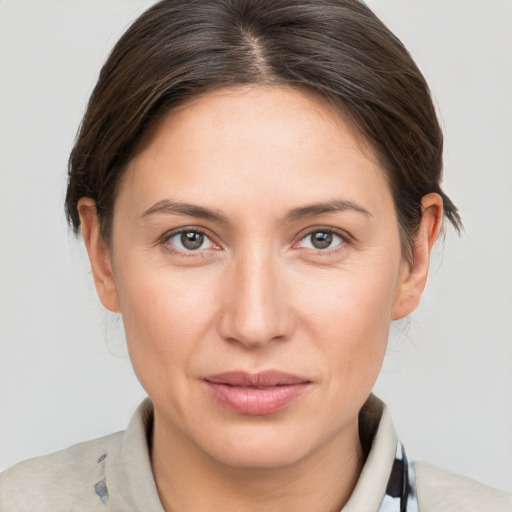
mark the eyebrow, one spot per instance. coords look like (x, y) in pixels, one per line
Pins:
(168, 207)
(333, 206)
(191, 210)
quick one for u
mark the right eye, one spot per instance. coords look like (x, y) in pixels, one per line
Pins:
(189, 240)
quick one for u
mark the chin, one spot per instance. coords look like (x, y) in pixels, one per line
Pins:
(259, 454)
(259, 446)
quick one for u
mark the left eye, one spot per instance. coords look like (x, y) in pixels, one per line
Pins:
(189, 240)
(320, 240)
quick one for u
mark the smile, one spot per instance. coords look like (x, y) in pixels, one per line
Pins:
(256, 394)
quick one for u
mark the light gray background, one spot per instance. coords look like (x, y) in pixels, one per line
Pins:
(64, 374)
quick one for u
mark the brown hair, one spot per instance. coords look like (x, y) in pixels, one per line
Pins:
(179, 49)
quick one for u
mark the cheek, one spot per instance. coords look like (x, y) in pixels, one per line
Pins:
(166, 316)
(348, 317)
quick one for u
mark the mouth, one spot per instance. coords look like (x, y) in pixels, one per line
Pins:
(256, 394)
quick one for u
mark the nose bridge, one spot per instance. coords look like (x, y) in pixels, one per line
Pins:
(255, 310)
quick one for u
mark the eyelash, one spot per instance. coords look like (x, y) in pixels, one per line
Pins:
(187, 253)
(164, 241)
(344, 240)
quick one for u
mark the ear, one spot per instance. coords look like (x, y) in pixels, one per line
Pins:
(414, 275)
(99, 254)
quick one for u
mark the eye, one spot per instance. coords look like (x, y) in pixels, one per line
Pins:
(188, 240)
(321, 239)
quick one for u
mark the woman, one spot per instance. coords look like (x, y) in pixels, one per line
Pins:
(258, 188)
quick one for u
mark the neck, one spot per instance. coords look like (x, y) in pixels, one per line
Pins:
(188, 479)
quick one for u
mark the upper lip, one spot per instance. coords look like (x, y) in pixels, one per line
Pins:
(268, 378)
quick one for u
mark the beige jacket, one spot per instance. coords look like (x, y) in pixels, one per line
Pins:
(113, 474)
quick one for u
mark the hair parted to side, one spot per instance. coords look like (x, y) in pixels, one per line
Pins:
(179, 49)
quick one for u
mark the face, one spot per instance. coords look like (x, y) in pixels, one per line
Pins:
(255, 258)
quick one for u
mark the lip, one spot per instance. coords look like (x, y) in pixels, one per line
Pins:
(256, 394)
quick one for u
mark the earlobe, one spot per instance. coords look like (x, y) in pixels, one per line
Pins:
(414, 275)
(99, 254)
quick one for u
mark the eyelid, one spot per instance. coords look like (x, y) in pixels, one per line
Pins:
(345, 237)
(164, 240)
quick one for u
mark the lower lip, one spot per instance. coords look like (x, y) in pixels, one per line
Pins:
(254, 401)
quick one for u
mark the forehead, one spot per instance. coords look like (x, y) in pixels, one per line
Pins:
(282, 112)
(253, 143)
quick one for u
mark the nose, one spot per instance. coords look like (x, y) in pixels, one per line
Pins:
(256, 309)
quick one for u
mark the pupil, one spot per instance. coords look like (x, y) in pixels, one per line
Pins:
(321, 240)
(192, 239)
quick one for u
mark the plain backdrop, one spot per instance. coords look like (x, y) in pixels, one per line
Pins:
(64, 373)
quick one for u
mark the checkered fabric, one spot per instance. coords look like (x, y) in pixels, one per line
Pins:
(401, 489)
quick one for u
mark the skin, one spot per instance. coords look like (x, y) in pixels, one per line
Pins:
(257, 295)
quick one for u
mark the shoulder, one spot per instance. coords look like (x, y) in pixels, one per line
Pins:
(442, 491)
(68, 480)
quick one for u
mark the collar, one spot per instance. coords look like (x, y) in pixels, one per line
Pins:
(387, 482)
